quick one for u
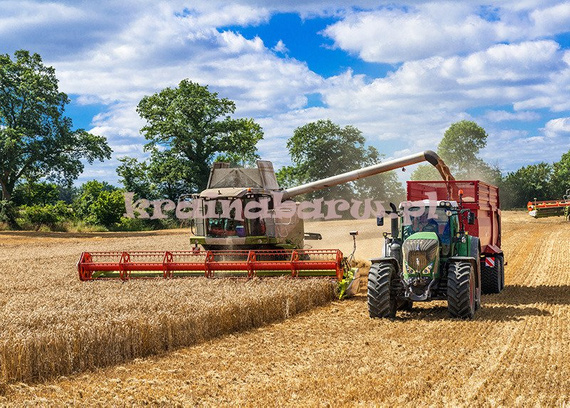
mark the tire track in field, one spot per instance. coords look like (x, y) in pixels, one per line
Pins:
(532, 355)
(526, 253)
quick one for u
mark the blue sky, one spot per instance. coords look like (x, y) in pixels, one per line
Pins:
(400, 72)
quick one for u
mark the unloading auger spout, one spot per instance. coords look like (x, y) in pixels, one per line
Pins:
(428, 155)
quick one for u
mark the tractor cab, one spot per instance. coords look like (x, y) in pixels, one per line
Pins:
(439, 217)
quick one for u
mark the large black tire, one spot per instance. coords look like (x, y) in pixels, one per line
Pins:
(491, 277)
(406, 305)
(380, 300)
(461, 290)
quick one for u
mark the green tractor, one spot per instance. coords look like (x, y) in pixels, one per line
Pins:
(428, 255)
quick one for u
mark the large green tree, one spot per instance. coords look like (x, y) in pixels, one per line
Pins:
(193, 126)
(36, 138)
(459, 148)
(162, 175)
(322, 149)
(461, 144)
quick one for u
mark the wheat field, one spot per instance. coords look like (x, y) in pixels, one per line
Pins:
(52, 324)
(514, 353)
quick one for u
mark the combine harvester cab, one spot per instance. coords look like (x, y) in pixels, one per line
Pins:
(448, 248)
(228, 241)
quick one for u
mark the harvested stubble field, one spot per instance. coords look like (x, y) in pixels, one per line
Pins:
(514, 353)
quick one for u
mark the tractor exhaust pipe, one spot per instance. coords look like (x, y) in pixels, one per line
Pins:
(394, 221)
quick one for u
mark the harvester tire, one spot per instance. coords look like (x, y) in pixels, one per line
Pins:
(381, 303)
(491, 280)
(461, 290)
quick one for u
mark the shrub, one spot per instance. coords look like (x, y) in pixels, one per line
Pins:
(107, 209)
(8, 213)
(51, 216)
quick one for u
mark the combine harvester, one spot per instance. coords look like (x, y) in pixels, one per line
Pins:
(237, 246)
(552, 208)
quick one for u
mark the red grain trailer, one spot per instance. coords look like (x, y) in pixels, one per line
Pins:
(483, 200)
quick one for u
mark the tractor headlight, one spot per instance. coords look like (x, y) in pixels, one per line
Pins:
(408, 270)
(427, 269)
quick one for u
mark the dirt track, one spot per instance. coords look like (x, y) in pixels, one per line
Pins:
(514, 353)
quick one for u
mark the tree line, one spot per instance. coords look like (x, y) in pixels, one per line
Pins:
(460, 147)
(187, 128)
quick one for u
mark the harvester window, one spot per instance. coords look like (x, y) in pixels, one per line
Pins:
(256, 227)
(225, 227)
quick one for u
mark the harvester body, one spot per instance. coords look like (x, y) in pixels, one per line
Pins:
(231, 192)
(446, 248)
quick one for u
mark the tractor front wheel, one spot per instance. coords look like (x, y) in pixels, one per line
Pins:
(381, 302)
(461, 290)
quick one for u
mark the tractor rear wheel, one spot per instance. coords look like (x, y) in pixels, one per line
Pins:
(491, 275)
(381, 302)
(461, 290)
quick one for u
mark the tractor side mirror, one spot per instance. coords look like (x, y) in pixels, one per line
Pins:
(470, 218)
(379, 221)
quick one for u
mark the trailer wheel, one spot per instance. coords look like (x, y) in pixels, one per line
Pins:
(461, 290)
(501, 262)
(381, 303)
(491, 276)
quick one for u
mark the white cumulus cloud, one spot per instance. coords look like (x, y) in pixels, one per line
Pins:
(392, 35)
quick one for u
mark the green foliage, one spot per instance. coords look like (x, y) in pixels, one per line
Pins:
(425, 172)
(99, 203)
(88, 194)
(8, 213)
(161, 176)
(134, 176)
(30, 193)
(459, 149)
(138, 224)
(67, 194)
(167, 170)
(322, 149)
(36, 139)
(561, 176)
(287, 177)
(193, 128)
(526, 184)
(50, 215)
(461, 144)
(107, 209)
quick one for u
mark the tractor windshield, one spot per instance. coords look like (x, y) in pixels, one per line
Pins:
(423, 223)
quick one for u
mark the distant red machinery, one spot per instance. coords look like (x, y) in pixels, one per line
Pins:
(551, 208)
